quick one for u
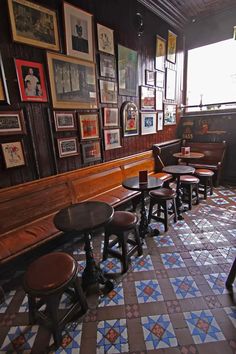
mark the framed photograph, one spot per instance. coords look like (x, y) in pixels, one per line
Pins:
(13, 154)
(67, 147)
(33, 24)
(159, 100)
(160, 79)
(127, 71)
(89, 128)
(130, 118)
(149, 77)
(148, 123)
(160, 53)
(147, 98)
(31, 81)
(64, 120)
(169, 114)
(105, 39)
(171, 47)
(170, 84)
(107, 66)
(108, 91)
(79, 33)
(72, 81)
(110, 117)
(160, 122)
(12, 123)
(91, 151)
(112, 139)
(4, 96)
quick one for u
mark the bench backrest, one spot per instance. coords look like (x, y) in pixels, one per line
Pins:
(213, 152)
(163, 153)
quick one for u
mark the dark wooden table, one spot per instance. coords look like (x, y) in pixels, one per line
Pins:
(84, 218)
(134, 185)
(188, 157)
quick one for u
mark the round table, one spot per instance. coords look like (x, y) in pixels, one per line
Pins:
(188, 157)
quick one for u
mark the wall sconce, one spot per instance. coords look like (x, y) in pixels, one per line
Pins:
(139, 24)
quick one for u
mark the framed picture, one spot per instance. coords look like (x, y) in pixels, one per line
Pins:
(107, 66)
(147, 97)
(13, 154)
(159, 121)
(12, 123)
(79, 33)
(4, 97)
(149, 77)
(72, 81)
(159, 100)
(64, 120)
(171, 48)
(169, 114)
(105, 39)
(67, 147)
(108, 91)
(89, 128)
(148, 123)
(170, 84)
(112, 139)
(33, 24)
(160, 79)
(31, 81)
(127, 71)
(130, 118)
(110, 117)
(160, 53)
(91, 151)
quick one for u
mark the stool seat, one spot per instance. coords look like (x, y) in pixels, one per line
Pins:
(163, 176)
(187, 179)
(123, 220)
(204, 172)
(163, 193)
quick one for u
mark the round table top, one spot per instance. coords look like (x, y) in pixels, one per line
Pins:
(179, 169)
(84, 216)
(192, 155)
(134, 185)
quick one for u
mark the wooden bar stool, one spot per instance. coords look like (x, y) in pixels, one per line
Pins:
(190, 185)
(122, 224)
(45, 281)
(206, 182)
(162, 198)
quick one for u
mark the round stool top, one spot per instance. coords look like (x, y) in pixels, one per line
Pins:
(50, 272)
(163, 193)
(123, 220)
(189, 179)
(204, 172)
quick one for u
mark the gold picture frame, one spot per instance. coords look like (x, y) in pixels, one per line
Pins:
(13, 153)
(160, 53)
(171, 47)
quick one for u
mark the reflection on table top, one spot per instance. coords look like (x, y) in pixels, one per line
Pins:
(179, 169)
(133, 184)
(191, 155)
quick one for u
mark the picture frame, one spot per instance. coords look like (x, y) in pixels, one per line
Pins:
(149, 77)
(108, 91)
(147, 98)
(4, 96)
(13, 154)
(160, 79)
(148, 123)
(160, 121)
(89, 127)
(67, 147)
(64, 120)
(130, 118)
(40, 29)
(112, 139)
(78, 32)
(160, 53)
(170, 84)
(12, 123)
(72, 82)
(91, 151)
(171, 47)
(169, 114)
(159, 100)
(107, 66)
(105, 37)
(31, 81)
(127, 71)
(110, 117)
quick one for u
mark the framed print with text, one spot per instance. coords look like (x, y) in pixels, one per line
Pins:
(169, 114)
(171, 47)
(127, 71)
(12, 123)
(4, 97)
(107, 66)
(67, 147)
(170, 84)
(108, 91)
(147, 98)
(130, 118)
(160, 79)
(64, 120)
(13, 153)
(91, 151)
(110, 117)
(160, 53)
(112, 139)
(159, 100)
(160, 121)
(148, 123)
(105, 39)
(149, 77)
(89, 128)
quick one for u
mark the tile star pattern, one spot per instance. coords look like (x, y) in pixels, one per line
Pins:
(148, 291)
(217, 282)
(185, 287)
(112, 337)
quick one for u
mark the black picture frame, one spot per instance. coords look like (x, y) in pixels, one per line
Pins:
(4, 95)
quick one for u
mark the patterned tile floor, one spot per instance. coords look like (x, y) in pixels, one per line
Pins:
(172, 300)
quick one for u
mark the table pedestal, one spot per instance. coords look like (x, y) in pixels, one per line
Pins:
(143, 226)
(179, 203)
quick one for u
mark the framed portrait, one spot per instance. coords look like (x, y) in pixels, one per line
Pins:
(170, 84)
(112, 139)
(67, 147)
(171, 47)
(64, 120)
(130, 118)
(12, 123)
(4, 96)
(89, 128)
(108, 91)
(105, 39)
(160, 79)
(148, 123)
(72, 81)
(110, 117)
(149, 77)
(127, 71)
(91, 151)
(31, 81)
(169, 114)
(147, 98)
(13, 154)
(107, 66)
(160, 53)
(33, 24)
(79, 33)
(159, 121)
(159, 100)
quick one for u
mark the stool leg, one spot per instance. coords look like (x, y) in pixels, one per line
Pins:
(174, 210)
(197, 193)
(79, 292)
(190, 200)
(152, 203)
(138, 241)
(211, 185)
(106, 244)
(166, 215)
(205, 187)
(53, 304)
(124, 258)
(231, 276)
(32, 309)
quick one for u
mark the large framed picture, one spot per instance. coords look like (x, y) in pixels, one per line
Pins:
(147, 98)
(160, 53)
(160, 79)
(64, 120)
(127, 71)
(72, 81)
(148, 123)
(171, 47)
(33, 24)
(12, 123)
(108, 91)
(31, 81)
(4, 97)
(170, 84)
(159, 100)
(110, 117)
(169, 114)
(67, 147)
(130, 118)
(13, 153)
(89, 128)
(112, 139)
(91, 151)
(105, 39)
(107, 66)
(79, 33)
(159, 121)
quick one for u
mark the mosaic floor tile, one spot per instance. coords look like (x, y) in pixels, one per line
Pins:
(173, 306)
(203, 224)
(181, 225)
(24, 307)
(71, 339)
(112, 337)
(188, 349)
(148, 291)
(228, 253)
(8, 298)
(20, 339)
(220, 201)
(81, 266)
(233, 199)
(172, 260)
(163, 241)
(202, 257)
(232, 232)
(142, 264)
(114, 297)
(132, 311)
(217, 282)
(111, 265)
(212, 301)
(185, 287)
(189, 239)
(215, 236)
(226, 192)
(231, 312)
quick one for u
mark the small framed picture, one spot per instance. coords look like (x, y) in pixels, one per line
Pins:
(112, 139)
(31, 81)
(108, 91)
(13, 154)
(12, 123)
(169, 114)
(171, 47)
(148, 123)
(89, 128)
(110, 117)
(159, 100)
(64, 120)
(105, 39)
(170, 84)
(67, 147)
(160, 79)
(147, 98)
(130, 118)
(160, 53)
(91, 151)
(159, 121)
(107, 66)
(4, 96)
(149, 77)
